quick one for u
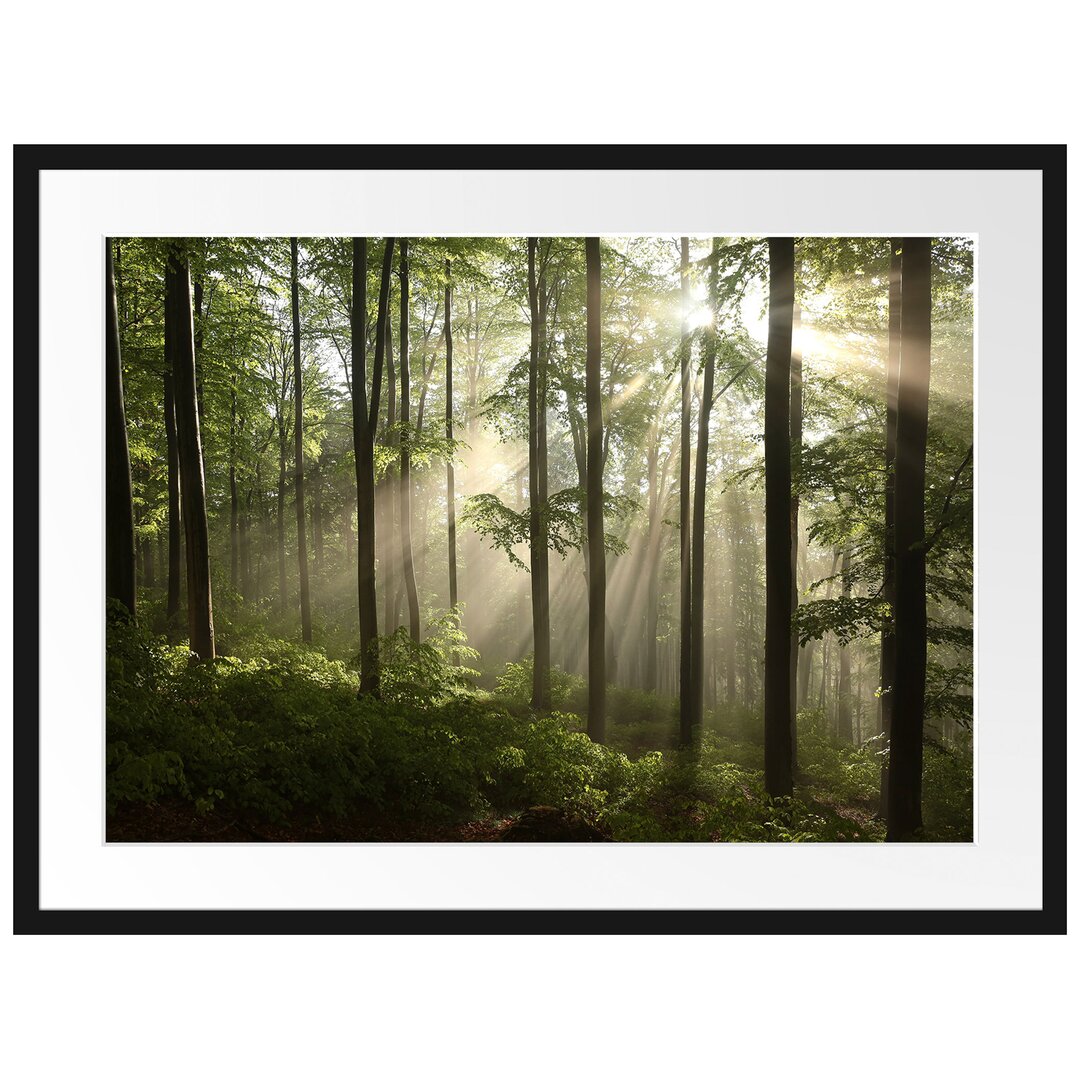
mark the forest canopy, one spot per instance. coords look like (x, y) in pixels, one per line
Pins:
(555, 538)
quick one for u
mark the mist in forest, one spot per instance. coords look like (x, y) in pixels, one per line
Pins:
(493, 388)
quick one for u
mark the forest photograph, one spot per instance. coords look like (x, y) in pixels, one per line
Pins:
(622, 538)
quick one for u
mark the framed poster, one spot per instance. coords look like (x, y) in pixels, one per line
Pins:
(671, 508)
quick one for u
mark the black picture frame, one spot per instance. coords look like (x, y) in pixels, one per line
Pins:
(30, 918)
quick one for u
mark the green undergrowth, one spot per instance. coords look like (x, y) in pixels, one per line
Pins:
(277, 730)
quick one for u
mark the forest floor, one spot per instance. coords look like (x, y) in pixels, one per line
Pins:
(175, 820)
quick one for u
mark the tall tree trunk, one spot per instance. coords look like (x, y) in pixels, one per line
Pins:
(905, 743)
(538, 541)
(405, 487)
(119, 505)
(451, 510)
(778, 756)
(181, 348)
(796, 454)
(685, 617)
(690, 720)
(888, 584)
(595, 495)
(172, 452)
(843, 690)
(234, 498)
(198, 330)
(283, 584)
(298, 449)
(365, 418)
(390, 601)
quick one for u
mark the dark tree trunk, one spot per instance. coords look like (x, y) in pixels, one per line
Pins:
(538, 540)
(172, 452)
(905, 743)
(451, 510)
(365, 418)
(796, 453)
(181, 348)
(405, 488)
(690, 720)
(390, 601)
(234, 498)
(778, 756)
(283, 584)
(595, 495)
(685, 622)
(298, 449)
(844, 729)
(888, 584)
(119, 506)
(198, 330)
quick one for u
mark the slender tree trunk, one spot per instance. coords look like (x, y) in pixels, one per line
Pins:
(451, 510)
(405, 479)
(172, 604)
(905, 744)
(198, 331)
(595, 495)
(119, 505)
(390, 620)
(796, 454)
(283, 584)
(181, 348)
(234, 498)
(365, 418)
(686, 712)
(843, 690)
(733, 612)
(690, 720)
(778, 750)
(538, 543)
(888, 584)
(298, 449)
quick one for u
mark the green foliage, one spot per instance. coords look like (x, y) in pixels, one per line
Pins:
(281, 731)
(948, 792)
(422, 673)
(563, 516)
(852, 774)
(515, 684)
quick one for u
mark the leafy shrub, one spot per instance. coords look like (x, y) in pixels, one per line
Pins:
(515, 684)
(278, 730)
(948, 792)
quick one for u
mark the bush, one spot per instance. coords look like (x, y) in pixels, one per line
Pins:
(515, 684)
(948, 792)
(278, 731)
